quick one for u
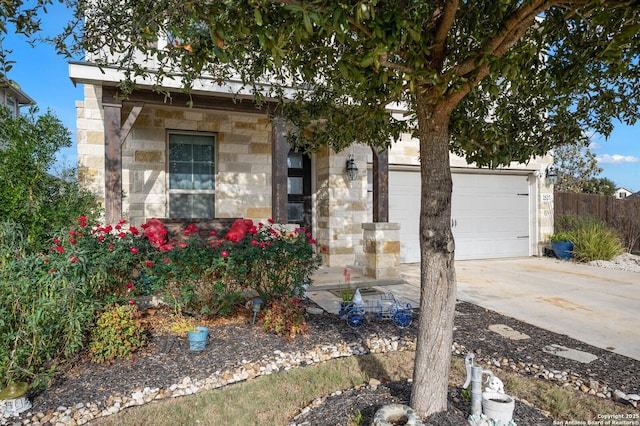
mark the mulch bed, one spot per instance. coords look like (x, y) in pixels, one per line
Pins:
(166, 360)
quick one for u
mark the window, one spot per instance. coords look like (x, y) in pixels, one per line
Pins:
(191, 176)
(11, 104)
(299, 189)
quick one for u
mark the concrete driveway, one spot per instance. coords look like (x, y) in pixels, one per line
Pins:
(595, 305)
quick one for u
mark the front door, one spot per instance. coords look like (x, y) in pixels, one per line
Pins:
(299, 189)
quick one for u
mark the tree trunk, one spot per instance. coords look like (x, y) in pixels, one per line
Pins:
(438, 282)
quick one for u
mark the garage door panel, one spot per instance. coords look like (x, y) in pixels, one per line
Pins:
(404, 208)
(490, 214)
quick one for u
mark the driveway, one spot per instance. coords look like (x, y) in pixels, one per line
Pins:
(598, 306)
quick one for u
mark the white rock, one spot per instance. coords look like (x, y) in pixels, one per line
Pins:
(618, 394)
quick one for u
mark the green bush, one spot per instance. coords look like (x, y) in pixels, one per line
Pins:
(285, 318)
(45, 312)
(117, 334)
(593, 240)
(29, 194)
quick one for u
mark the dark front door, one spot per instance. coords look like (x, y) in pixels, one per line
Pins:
(299, 189)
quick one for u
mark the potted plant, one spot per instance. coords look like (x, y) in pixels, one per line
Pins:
(346, 298)
(13, 392)
(562, 245)
(13, 395)
(197, 334)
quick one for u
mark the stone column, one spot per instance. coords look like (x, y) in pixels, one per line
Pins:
(381, 250)
(341, 207)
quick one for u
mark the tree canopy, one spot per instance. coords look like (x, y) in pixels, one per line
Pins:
(578, 170)
(30, 195)
(495, 81)
(575, 164)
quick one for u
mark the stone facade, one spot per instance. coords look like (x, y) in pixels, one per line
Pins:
(243, 158)
(244, 176)
(341, 207)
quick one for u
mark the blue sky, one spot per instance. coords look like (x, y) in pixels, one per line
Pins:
(44, 76)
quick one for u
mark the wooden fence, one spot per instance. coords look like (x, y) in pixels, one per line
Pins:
(623, 215)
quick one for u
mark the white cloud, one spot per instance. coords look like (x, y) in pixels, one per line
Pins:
(617, 159)
(594, 145)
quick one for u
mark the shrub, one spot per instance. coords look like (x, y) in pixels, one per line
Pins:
(209, 276)
(47, 301)
(45, 312)
(192, 275)
(29, 195)
(117, 334)
(561, 236)
(274, 261)
(285, 318)
(106, 259)
(593, 240)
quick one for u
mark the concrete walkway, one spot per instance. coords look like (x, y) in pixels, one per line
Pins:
(598, 306)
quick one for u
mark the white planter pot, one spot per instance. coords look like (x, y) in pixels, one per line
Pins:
(498, 406)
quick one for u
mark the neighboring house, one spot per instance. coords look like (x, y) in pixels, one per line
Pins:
(622, 193)
(12, 97)
(225, 159)
(634, 196)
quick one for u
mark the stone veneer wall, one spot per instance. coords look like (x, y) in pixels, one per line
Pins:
(341, 207)
(243, 157)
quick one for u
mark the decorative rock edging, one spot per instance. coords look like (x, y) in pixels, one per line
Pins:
(83, 412)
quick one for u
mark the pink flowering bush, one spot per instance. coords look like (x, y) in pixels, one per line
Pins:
(274, 260)
(49, 301)
(209, 275)
(105, 258)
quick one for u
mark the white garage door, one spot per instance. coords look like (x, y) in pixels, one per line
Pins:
(490, 214)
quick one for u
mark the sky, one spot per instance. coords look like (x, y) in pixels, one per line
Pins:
(44, 76)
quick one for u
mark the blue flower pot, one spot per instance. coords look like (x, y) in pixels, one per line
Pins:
(198, 338)
(562, 249)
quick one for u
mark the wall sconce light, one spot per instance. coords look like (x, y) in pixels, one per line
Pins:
(551, 175)
(351, 168)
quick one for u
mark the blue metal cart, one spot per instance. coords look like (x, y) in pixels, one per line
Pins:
(385, 308)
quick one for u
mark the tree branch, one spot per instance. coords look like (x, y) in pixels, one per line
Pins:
(518, 19)
(384, 61)
(444, 23)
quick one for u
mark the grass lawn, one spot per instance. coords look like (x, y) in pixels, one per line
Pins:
(255, 402)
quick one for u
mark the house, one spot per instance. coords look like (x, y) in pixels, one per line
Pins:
(12, 97)
(223, 158)
(622, 193)
(634, 196)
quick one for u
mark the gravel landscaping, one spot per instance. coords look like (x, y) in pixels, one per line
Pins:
(239, 351)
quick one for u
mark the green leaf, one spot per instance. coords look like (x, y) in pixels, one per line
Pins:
(293, 8)
(257, 16)
(307, 23)
(366, 61)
